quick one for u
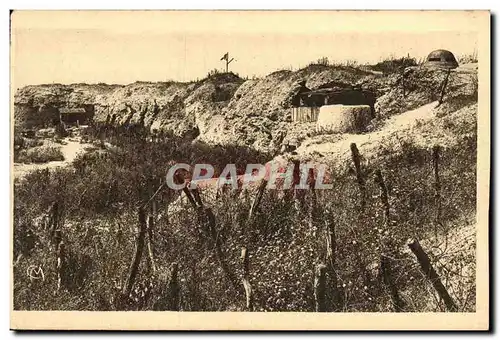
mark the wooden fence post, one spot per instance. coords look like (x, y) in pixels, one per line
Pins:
(313, 211)
(197, 197)
(385, 266)
(320, 288)
(247, 227)
(206, 219)
(331, 250)
(173, 290)
(443, 88)
(54, 223)
(134, 267)
(384, 196)
(331, 244)
(246, 281)
(437, 184)
(207, 222)
(190, 197)
(257, 199)
(430, 273)
(356, 158)
(403, 81)
(60, 266)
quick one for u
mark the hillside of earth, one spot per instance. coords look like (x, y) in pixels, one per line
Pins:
(220, 109)
(225, 109)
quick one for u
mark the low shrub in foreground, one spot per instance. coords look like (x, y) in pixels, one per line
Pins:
(285, 240)
(40, 154)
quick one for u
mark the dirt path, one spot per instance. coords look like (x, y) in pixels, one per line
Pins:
(70, 151)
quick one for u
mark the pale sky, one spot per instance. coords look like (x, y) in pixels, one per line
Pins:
(123, 47)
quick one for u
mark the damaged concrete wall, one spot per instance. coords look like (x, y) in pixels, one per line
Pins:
(305, 114)
(344, 118)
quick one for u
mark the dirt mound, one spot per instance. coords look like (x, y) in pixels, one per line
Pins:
(344, 118)
(225, 109)
(219, 109)
(420, 85)
(415, 129)
(38, 105)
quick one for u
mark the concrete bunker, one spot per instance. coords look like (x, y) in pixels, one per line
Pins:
(441, 59)
(340, 118)
(335, 107)
(76, 116)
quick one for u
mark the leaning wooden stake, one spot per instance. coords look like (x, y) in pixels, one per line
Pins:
(197, 197)
(173, 290)
(437, 184)
(312, 213)
(134, 267)
(246, 281)
(331, 244)
(190, 197)
(430, 273)
(356, 158)
(247, 227)
(55, 223)
(403, 81)
(320, 288)
(61, 253)
(257, 199)
(150, 244)
(383, 195)
(207, 222)
(331, 250)
(443, 89)
(385, 266)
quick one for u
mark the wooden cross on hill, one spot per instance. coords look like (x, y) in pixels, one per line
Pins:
(226, 58)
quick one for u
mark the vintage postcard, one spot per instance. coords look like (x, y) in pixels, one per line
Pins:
(250, 170)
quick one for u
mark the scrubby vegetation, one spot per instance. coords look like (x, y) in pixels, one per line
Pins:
(394, 65)
(108, 204)
(325, 61)
(419, 86)
(468, 58)
(33, 150)
(40, 154)
(99, 199)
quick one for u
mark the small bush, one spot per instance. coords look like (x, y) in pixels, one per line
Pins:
(31, 143)
(46, 133)
(25, 143)
(40, 154)
(18, 141)
(323, 61)
(213, 72)
(394, 65)
(468, 58)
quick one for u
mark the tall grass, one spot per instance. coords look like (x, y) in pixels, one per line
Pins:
(39, 154)
(394, 65)
(286, 239)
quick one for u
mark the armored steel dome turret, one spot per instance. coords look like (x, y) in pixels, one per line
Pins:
(441, 59)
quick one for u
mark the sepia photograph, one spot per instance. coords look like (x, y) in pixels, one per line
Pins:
(327, 172)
